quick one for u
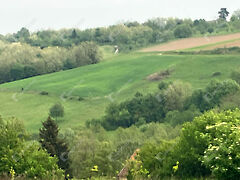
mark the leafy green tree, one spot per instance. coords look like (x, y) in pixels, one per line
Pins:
(94, 148)
(157, 159)
(183, 31)
(17, 72)
(123, 151)
(54, 145)
(92, 51)
(24, 158)
(235, 20)
(212, 95)
(201, 25)
(69, 64)
(29, 71)
(175, 96)
(140, 109)
(180, 117)
(23, 34)
(231, 101)
(236, 14)
(210, 30)
(190, 149)
(235, 75)
(57, 110)
(156, 24)
(209, 145)
(222, 154)
(91, 157)
(20, 61)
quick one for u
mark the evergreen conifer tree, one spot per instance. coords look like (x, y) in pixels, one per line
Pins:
(54, 145)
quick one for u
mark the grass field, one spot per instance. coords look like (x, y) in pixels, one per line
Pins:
(116, 78)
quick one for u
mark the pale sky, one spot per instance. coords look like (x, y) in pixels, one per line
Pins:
(57, 14)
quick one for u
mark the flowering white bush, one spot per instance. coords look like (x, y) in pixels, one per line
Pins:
(223, 153)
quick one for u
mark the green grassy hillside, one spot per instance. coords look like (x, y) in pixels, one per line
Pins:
(115, 79)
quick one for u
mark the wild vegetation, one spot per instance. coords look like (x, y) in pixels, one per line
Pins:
(152, 115)
(129, 35)
(23, 158)
(19, 61)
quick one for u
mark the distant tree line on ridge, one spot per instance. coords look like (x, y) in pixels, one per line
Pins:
(130, 35)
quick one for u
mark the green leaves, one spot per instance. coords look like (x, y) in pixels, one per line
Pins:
(183, 31)
(212, 141)
(19, 61)
(223, 153)
(57, 110)
(24, 158)
(55, 146)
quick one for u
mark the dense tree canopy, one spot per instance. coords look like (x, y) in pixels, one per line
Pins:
(207, 147)
(23, 158)
(18, 61)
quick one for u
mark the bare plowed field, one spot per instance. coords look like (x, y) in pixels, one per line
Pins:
(194, 42)
(225, 45)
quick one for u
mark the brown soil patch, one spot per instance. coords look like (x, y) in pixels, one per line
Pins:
(191, 43)
(226, 45)
(159, 75)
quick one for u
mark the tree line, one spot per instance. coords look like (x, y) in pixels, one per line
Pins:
(175, 103)
(19, 61)
(130, 35)
(80, 152)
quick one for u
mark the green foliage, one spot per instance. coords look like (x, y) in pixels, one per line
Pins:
(211, 97)
(137, 171)
(203, 26)
(88, 151)
(23, 35)
(183, 31)
(57, 110)
(17, 72)
(175, 96)
(199, 139)
(230, 101)
(93, 82)
(236, 14)
(163, 85)
(235, 75)
(110, 150)
(223, 154)
(175, 104)
(38, 163)
(129, 35)
(140, 109)
(19, 61)
(180, 117)
(22, 158)
(206, 146)
(54, 145)
(157, 159)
